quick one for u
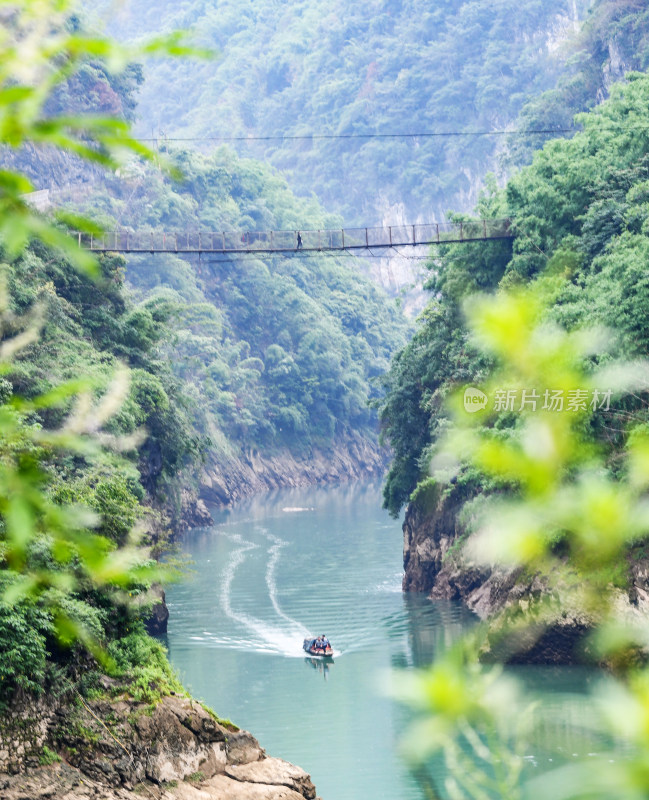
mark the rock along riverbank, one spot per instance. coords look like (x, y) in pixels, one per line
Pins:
(118, 749)
(226, 480)
(434, 534)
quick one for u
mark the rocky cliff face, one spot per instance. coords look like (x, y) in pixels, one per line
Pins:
(225, 481)
(435, 563)
(118, 749)
(430, 529)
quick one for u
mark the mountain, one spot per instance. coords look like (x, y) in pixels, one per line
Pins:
(346, 69)
(544, 211)
(281, 354)
(581, 216)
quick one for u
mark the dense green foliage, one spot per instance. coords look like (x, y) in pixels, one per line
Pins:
(70, 504)
(87, 329)
(23, 663)
(365, 67)
(562, 501)
(282, 351)
(143, 662)
(580, 211)
(564, 518)
(254, 355)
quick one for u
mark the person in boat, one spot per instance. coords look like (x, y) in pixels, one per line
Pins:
(318, 643)
(324, 642)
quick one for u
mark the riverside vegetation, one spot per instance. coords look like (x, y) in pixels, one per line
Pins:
(70, 501)
(78, 478)
(86, 496)
(557, 496)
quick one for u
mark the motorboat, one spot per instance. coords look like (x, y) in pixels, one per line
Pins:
(310, 645)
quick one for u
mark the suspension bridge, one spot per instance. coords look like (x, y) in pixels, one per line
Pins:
(268, 242)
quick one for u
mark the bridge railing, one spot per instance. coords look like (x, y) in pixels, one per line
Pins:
(282, 241)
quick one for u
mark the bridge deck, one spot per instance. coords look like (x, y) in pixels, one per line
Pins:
(287, 241)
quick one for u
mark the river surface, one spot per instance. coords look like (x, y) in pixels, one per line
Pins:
(309, 561)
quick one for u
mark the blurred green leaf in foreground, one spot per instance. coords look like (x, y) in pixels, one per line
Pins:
(569, 521)
(49, 552)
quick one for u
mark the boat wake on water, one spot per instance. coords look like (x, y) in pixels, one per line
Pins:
(281, 635)
(271, 583)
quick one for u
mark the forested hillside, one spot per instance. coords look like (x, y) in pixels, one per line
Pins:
(52, 597)
(580, 212)
(347, 68)
(280, 352)
(276, 354)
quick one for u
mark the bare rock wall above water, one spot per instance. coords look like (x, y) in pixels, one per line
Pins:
(435, 532)
(228, 479)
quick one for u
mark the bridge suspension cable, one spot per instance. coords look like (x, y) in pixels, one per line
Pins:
(307, 241)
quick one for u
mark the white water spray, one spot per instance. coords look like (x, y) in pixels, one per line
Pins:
(271, 583)
(266, 637)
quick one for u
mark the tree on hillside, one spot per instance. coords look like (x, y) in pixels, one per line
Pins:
(68, 503)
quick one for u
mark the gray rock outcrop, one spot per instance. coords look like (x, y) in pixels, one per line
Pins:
(224, 481)
(123, 750)
(156, 621)
(527, 624)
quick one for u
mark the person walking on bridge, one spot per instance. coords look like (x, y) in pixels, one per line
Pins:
(299, 241)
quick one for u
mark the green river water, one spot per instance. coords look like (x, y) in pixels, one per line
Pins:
(304, 561)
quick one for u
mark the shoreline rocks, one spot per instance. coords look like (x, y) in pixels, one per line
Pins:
(526, 625)
(122, 750)
(227, 479)
(353, 457)
(156, 621)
